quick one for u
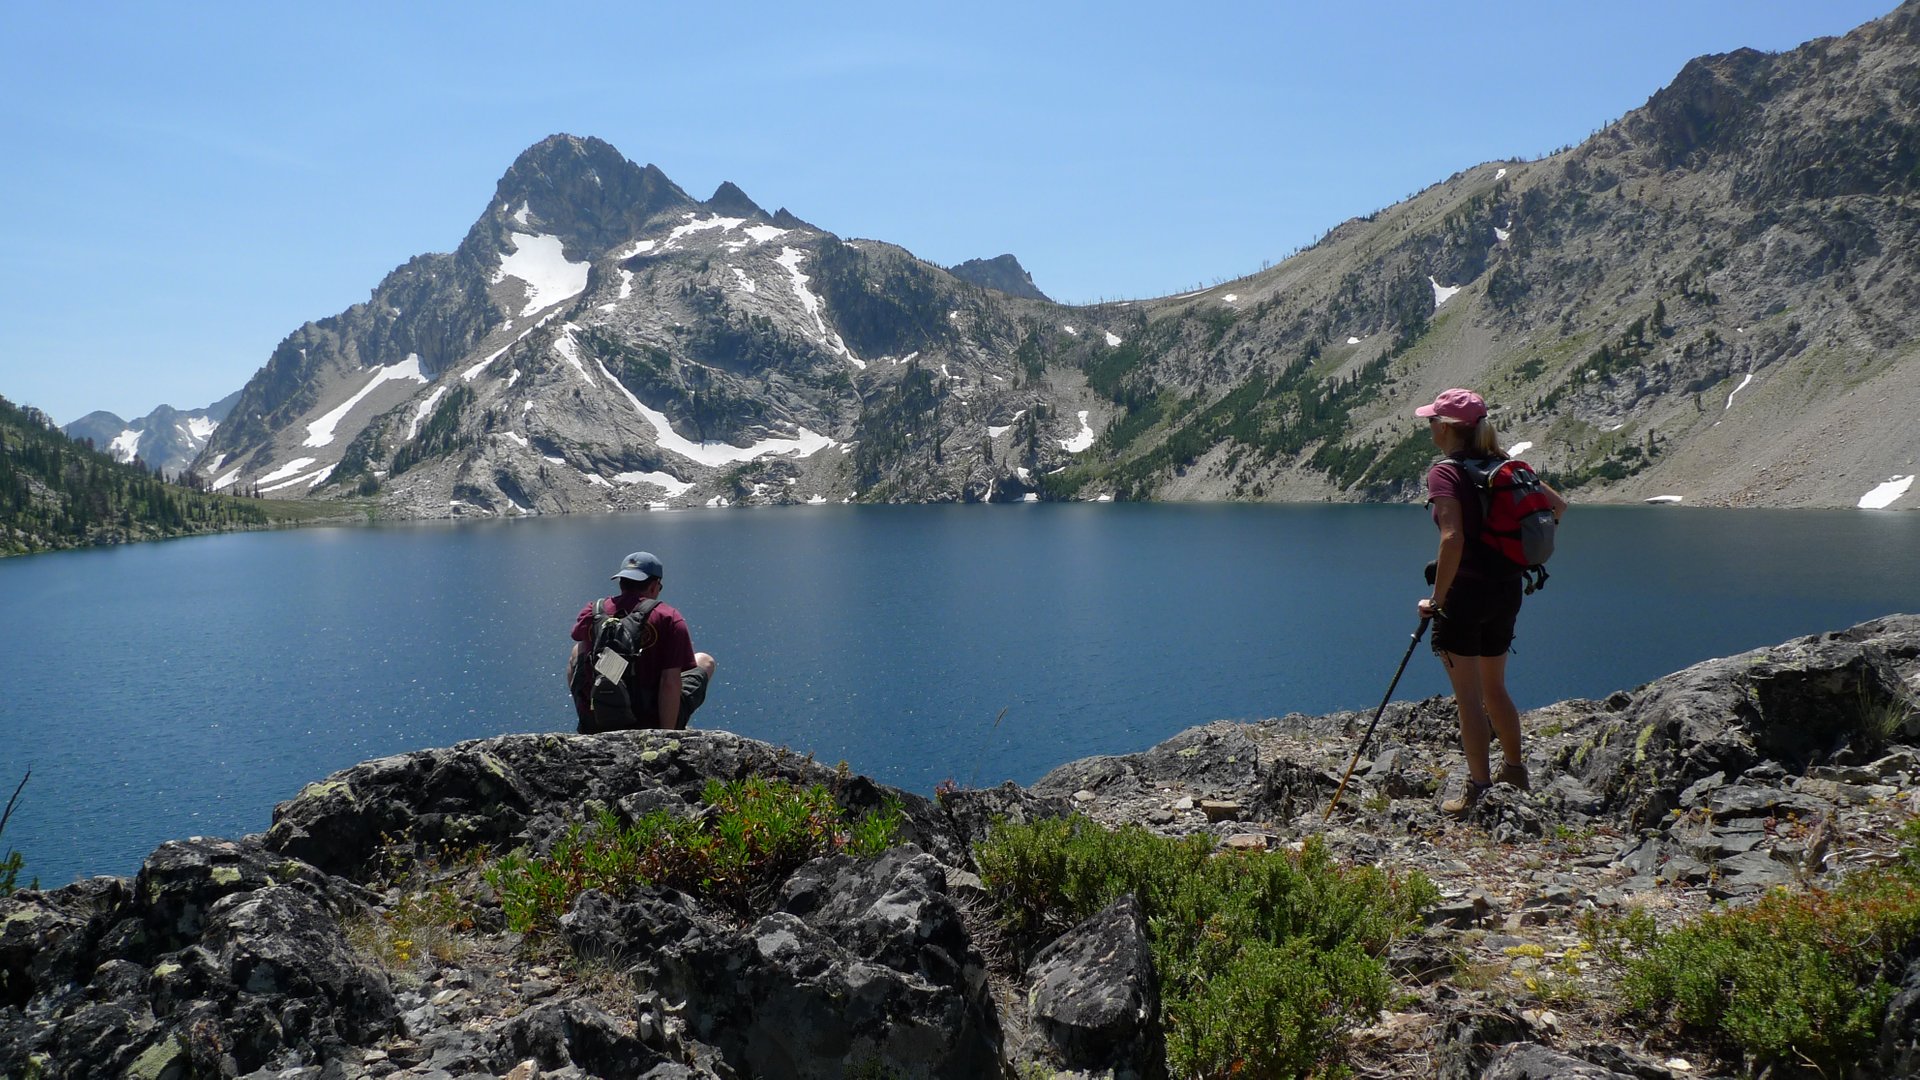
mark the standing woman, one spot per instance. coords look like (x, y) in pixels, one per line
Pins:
(1476, 595)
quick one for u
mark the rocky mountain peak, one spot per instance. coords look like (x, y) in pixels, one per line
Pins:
(1002, 272)
(579, 189)
(729, 201)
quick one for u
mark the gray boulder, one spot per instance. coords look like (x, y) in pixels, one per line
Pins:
(874, 975)
(1899, 1051)
(526, 788)
(1758, 715)
(974, 811)
(567, 1033)
(1095, 996)
(1531, 1061)
(601, 930)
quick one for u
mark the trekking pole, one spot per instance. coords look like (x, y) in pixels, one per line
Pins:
(1417, 635)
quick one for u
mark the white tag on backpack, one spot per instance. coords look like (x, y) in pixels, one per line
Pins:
(611, 665)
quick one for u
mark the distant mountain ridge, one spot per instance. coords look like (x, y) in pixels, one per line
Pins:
(58, 493)
(1002, 272)
(1711, 301)
(167, 439)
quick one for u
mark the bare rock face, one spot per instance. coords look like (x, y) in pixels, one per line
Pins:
(1828, 700)
(491, 791)
(1096, 996)
(866, 966)
(221, 958)
(1532, 1061)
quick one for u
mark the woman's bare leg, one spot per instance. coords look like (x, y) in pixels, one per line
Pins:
(1464, 673)
(1499, 707)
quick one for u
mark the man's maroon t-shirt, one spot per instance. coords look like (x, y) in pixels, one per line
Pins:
(672, 646)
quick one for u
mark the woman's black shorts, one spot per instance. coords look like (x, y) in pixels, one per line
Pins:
(1480, 613)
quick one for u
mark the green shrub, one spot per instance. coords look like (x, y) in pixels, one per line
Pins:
(1797, 977)
(1264, 958)
(758, 833)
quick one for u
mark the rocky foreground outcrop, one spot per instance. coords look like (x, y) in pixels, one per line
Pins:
(250, 957)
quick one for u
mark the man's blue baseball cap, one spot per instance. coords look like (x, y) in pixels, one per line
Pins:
(641, 566)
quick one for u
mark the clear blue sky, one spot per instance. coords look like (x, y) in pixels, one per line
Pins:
(184, 184)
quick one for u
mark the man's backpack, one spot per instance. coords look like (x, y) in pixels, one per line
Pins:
(1516, 514)
(604, 681)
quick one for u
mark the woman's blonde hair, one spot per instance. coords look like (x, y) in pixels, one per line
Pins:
(1482, 440)
(1485, 439)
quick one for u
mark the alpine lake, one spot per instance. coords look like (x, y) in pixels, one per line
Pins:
(182, 688)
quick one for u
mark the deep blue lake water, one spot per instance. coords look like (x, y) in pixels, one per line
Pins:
(182, 688)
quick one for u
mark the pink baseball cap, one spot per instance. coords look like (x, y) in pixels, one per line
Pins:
(1455, 406)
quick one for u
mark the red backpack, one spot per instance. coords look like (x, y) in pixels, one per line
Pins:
(1516, 514)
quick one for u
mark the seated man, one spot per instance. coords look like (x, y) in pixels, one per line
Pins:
(671, 679)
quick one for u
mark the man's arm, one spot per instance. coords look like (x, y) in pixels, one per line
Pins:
(670, 699)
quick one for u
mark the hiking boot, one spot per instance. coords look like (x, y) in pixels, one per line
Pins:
(1463, 802)
(1514, 773)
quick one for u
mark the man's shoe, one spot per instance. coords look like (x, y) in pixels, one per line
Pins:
(1464, 801)
(1515, 774)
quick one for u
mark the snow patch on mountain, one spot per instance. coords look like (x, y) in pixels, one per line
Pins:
(791, 258)
(540, 261)
(714, 454)
(1442, 293)
(425, 407)
(694, 225)
(570, 352)
(285, 471)
(311, 479)
(667, 482)
(125, 446)
(1737, 389)
(1081, 441)
(1883, 496)
(1113, 340)
(320, 432)
(745, 281)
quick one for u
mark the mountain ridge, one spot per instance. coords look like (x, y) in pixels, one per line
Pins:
(1740, 239)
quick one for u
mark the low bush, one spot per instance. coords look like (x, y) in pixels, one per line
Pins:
(1265, 959)
(430, 910)
(1797, 978)
(757, 832)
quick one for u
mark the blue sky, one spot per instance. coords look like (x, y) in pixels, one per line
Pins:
(185, 184)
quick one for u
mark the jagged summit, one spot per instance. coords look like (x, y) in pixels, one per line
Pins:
(728, 200)
(1786, 126)
(579, 189)
(1002, 272)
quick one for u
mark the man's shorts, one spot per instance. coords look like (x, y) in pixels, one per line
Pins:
(1480, 617)
(693, 694)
